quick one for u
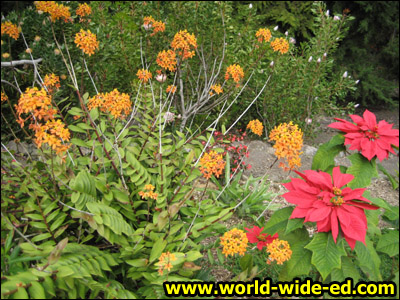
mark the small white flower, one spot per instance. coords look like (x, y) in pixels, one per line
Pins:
(147, 26)
(318, 60)
(308, 121)
(286, 33)
(250, 6)
(357, 81)
(345, 74)
(276, 28)
(310, 59)
(292, 40)
(336, 18)
(325, 54)
(161, 78)
(271, 64)
(327, 13)
(169, 116)
(357, 105)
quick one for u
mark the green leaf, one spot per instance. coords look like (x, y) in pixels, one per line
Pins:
(36, 291)
(326, 254)
(348, 270)
(193, 255)
(157, 249)
(78, 142)
(141, 262)
(362, 169)
(76, 128)
(298, 264)
(389, 243)
(246, 262)
(21, 294)
(278, 220)
(84, 126)
(368, 260)
(326, 153)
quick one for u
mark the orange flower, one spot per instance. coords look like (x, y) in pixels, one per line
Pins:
(144, 75)
(9, 28)
(235, 71)
(256, 127)
(288, 143)
(184, 42)
(51, 81)
(117, 104)
(216, 88)
(87, 41)
(83, 10)
(211, 163)
(164, 262)
(36, 102)
(56, 11)
(4, 97)
(171, 89)
(54, 134)
(167, 60)
(263, 34)
(234, 242)
(148, 192)
(148, 21)
(279, 251)
(281, 45)
(158, 26)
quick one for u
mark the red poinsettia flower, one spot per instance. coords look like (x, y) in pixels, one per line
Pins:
(320, 200)
(254, 235)
(367, 136)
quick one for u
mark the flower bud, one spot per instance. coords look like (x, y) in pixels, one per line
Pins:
(286, 33)
(325, 55)
(56, 51)
(327, 13)
(336, 18)
(28, 50)
(357, 105)
(310, 59)
(345, 74)
(271, 64)
(292, 40)
(357, 81)
(276, 28)
(308, 121)
(37, 38)
(250, 6)
(318, 60)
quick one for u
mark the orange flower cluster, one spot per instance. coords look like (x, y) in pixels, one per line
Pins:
(216, 88)
(53, 133)
(164, 262)
(148, 193)
(234, 71)
(149, 22)
(9, 28)
(51, 81)
(212, 163)
(37, 103)
(234, 242)
(83, 10)
(185, 42)
(281, 45)
(171, 88)
(263, 34)
(256, 127)
(279, 251)
(4, 97)
(144, 75)
(167, 60)
(87, 41)
(56, 11)
(288, 142)
(158, 26)
(113, 102)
